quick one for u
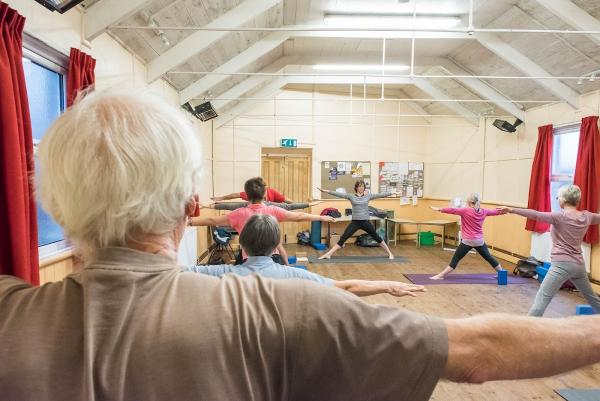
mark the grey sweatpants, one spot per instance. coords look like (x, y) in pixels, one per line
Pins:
(559, 273)
(237, 205)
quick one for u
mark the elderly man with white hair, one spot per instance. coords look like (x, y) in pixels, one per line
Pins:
(119, 173)
(569, 226)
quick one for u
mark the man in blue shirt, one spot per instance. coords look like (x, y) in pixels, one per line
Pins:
(260, 237)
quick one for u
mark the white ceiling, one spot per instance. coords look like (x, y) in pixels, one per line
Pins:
(557, 54)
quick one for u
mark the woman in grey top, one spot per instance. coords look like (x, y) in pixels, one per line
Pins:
(360, 217)
(568, 228)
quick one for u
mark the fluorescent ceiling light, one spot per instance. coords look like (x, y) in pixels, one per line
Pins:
(359, 67)
(389, 21)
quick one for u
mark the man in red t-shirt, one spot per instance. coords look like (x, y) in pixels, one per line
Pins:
(255, 188)
(271, 195)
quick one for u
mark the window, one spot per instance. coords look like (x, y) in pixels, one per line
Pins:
(564, 155)
(45, 71)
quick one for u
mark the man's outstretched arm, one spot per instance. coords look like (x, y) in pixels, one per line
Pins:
(507, 347)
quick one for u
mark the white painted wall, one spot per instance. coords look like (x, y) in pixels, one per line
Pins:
(313, 118)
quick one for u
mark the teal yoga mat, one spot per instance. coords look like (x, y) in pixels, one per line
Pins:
(570, 394)
(358, 259)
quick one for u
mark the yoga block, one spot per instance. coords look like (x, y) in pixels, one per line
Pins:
(502, 277)
(291, 260)
(547, 265)
(541, 273)
(300, 267)
(584, 310)
(319, 246)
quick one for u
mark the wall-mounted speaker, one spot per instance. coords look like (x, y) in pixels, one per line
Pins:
(505, 126)
(203, 112)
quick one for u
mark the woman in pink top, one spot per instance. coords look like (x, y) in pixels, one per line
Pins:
(471, 220)
(568, 228)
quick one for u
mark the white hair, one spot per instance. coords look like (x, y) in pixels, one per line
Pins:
(569, 194)
(116, 165)
(475, 199)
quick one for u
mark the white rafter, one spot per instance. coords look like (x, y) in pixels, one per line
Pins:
(200, 41)
(271, 89)
(437, 93)
(483, 89)
(275, 39)
(573, 15)
(105, 13)
(518, 60)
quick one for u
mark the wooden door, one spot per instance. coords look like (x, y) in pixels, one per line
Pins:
(290, 174)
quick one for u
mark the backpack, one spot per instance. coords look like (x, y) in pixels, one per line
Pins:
(373, 211)
(526, 267)
(303, 238)
(331, 211)
(366, 240)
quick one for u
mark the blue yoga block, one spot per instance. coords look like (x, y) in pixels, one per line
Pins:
(547, 265)
(318, 246)
(584, 310)
(541, 272)
(502, 277)
(292, 260)
(301, 267)
(315, 232)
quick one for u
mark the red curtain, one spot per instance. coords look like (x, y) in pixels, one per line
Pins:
(587, 171)
(18, 227)
(80, 75)
(539, 185)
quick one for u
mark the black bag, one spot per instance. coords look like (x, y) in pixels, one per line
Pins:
(366, 240)
(303, 238)
(526, 267)
(373, 211)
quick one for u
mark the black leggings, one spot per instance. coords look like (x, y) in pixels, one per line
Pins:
(356, 225)
(463, 249)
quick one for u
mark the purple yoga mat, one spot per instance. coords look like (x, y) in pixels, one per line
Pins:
(423, 279)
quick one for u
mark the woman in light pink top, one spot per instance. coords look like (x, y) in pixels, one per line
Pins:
(568, 228)
(471, 220)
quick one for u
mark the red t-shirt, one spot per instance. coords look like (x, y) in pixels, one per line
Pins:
(272, 195)
(238, 218)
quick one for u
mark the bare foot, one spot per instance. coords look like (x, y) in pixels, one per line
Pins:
(391, 257)
(325, 257)
(436, 277)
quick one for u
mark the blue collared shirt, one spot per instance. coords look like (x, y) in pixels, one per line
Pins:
(262, 265)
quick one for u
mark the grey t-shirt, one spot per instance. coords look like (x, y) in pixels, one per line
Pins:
(133, 326)
(360, 204)
(263, 265)
(568, 230)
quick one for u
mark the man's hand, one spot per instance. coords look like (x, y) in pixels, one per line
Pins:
(504, 209)
(399, 289)
(328, 219)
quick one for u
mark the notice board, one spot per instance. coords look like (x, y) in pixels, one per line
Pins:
(341, 175)
(403, 179)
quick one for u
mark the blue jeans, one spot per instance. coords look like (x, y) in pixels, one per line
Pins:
(555, 278)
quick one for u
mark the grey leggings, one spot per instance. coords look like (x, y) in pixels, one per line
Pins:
(555, 278)
(237, 205)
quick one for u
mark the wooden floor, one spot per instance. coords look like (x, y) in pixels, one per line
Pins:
(460, 301)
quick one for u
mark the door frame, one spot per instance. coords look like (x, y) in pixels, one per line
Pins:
(282, 152)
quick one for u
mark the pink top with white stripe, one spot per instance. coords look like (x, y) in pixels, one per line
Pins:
(471, 220)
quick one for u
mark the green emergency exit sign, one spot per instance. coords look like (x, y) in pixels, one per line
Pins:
(289, 143)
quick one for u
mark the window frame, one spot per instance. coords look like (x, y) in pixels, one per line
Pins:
(562, 178)
(41, 53)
